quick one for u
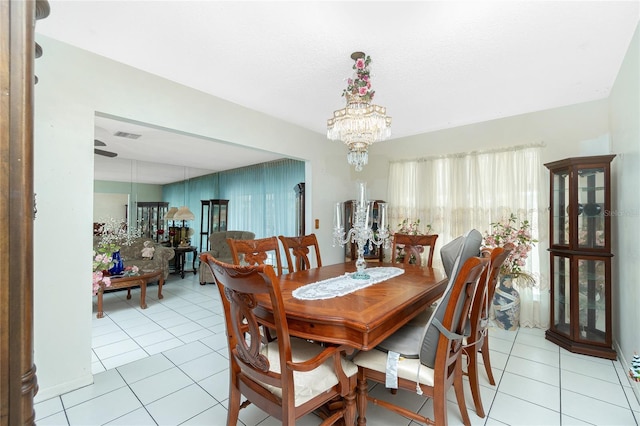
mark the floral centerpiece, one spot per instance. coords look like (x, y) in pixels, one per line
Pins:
(113, 235)
(518, 235)
(410, 228)
(360, 86)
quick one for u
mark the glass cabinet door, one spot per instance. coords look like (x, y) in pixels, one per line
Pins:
(561, 294)
(561, 208)
(591, 206)
(592, 299)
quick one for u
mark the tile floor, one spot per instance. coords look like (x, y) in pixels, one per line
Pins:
(167, 365)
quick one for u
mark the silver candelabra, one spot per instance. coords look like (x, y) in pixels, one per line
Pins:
(362, 232)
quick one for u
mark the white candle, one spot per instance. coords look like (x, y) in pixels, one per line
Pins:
(362, 193)
(382, 216)
(337, 220)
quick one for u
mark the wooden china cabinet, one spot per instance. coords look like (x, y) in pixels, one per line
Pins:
(213, 218)
(150, 218)
(580, 249)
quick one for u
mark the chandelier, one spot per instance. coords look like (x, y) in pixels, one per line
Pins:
(359, 123)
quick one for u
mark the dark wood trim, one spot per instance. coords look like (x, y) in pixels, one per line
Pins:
(18, 383)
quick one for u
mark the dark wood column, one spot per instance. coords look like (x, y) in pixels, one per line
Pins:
(18, 384)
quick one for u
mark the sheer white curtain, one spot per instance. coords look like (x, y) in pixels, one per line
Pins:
(458, 192)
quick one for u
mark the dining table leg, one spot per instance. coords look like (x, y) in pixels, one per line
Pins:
(361, 398)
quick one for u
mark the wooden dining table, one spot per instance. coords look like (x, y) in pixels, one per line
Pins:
(364, 318)
(360, 320)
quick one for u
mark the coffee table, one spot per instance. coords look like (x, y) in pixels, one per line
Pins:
(128, 282)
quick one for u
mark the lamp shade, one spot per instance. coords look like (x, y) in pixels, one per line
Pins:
(184, 213)
(169, 215)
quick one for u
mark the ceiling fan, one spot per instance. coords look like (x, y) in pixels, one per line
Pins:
(98, 151)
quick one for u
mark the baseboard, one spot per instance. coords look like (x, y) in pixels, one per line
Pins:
(50, 392)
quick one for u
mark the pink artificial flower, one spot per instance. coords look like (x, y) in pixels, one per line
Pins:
(360, 63)
(362, 91)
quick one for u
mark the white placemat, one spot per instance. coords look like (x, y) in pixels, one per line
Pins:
(344, 284)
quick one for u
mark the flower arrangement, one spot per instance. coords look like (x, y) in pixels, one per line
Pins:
(508, 231)
(412, 228)
(113, 235)
(361, 84)
(101, 262)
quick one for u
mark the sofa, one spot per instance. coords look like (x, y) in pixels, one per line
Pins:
(221, 250)
(132, 255)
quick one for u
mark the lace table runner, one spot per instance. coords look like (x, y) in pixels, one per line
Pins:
(344, 284)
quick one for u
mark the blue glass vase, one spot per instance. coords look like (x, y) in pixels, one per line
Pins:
(118, 265)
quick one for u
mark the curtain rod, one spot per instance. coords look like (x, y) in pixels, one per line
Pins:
(472, 153)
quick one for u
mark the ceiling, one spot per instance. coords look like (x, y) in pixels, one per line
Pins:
(435, 65)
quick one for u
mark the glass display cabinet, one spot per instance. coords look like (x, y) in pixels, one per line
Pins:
(150, 219)
(376, 253)
(213, 218)
(580, 249)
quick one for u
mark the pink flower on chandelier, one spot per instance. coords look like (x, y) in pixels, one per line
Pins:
(360, 85)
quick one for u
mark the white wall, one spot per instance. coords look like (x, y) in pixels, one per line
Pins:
(74, 85)
(625, 137)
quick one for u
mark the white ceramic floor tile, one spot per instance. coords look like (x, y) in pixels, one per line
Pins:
(144, 368)
(531, 390)
(500, 345)
(160, 385)
(103, 383)
(142, 329)
(124, 358)
(109, 338)
(58, 419)
(48, 407)
(215, 341)
(534, 370)
(594, 388)
(213, 416)
(186, 328)
(516, 411)
(526, 367)
(590, 367)
(205, 366)
(102, 410)
(116, 348)
(163, 346)
(595, 411)
(181, 406)
(217, 385)
(139, 417)
(187, 352)
(153, 338)
(536, 354)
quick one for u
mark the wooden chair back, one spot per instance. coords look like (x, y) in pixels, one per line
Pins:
(266, 376)
(298, 247)
(477, 342)
(256, 252)
(413, 245)
(447, 370)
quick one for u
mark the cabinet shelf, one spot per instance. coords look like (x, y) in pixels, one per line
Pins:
(580, 250)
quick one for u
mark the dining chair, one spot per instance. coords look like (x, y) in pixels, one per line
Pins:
(256, 252)
(299, 247)
(413, 246)
(476, 338)
(288, 377)
(423, 367)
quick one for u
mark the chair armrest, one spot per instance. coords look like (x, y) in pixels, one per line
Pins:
(163, 253)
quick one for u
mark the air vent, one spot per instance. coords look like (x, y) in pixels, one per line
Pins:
(127, 135)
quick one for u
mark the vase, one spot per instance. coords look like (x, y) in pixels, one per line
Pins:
(118, 264)
(506, 304)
